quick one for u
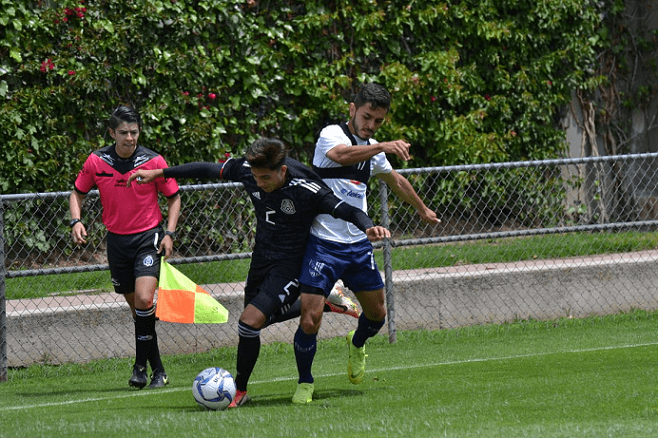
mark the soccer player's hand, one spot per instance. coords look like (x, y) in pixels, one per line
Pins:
(144, 176)
(429, 216)
(377, 233)
(397, 147)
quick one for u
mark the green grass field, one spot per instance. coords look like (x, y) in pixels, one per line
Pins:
(594, 377)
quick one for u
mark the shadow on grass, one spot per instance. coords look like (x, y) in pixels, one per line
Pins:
(323, 396)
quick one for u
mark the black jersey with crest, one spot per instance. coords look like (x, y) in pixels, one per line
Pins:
(284, 216)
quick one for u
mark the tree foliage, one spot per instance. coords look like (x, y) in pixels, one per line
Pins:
(620, 113)
(472, 81)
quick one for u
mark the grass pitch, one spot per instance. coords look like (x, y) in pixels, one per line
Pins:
(593, 377)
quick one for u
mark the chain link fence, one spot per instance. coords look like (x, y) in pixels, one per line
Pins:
(536, 239)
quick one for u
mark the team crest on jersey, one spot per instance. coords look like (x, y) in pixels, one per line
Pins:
(287, 206)
(315, 268)
(148, 261)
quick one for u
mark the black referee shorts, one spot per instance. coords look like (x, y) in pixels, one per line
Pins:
(133, 255)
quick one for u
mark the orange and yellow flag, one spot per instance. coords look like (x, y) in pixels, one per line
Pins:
(181, 300)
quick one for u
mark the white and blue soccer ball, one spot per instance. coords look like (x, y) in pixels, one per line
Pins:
(214, 388)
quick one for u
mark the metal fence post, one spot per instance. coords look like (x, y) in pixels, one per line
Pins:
(388, 265)
(3, 304)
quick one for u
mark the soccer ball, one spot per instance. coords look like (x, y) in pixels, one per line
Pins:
(214, 388)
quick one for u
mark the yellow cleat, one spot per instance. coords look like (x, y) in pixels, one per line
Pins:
(304, 393)
(356, 363)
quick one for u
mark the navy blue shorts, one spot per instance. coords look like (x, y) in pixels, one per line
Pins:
(133, 255)
(325, 262)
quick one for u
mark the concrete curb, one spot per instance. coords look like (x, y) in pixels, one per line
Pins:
(87, 327)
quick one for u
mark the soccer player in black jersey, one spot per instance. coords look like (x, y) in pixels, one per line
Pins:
(287, 196)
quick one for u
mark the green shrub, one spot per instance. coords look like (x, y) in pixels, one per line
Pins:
(472, 81)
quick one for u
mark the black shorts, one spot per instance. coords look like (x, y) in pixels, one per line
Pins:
(272, 287)
(133, 255)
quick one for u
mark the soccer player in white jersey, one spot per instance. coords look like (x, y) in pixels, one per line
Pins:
(346, 156)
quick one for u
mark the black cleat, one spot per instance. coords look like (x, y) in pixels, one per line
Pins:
(138, 379)
(158, 379)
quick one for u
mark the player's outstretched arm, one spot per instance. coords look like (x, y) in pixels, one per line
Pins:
(358, 217)
(347, 155)
(405, 191)
(144, 176)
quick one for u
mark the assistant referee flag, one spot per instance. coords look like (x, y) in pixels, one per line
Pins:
(181, 300)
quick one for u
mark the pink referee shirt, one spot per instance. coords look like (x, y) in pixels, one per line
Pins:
(126, 210)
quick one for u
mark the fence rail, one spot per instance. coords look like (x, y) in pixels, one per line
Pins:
(57, 305)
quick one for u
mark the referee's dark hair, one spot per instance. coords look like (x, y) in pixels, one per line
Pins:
(125, 114)
(267, 153)
(374, 94)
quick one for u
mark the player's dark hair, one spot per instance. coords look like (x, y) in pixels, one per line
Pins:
(374, 94)
(125, 114)
(267, 153)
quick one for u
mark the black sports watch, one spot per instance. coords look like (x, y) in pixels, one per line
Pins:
(73, 222)
(171, 234)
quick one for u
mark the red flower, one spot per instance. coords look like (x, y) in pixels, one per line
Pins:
(212, 96)
(47, 65)
(186, 93)
(486, 96)
(71, 72)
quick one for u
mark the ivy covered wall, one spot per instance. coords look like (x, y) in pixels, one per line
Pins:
(472, 81)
